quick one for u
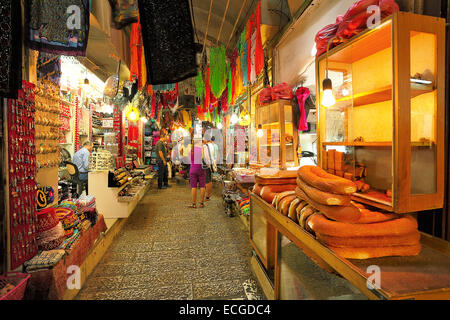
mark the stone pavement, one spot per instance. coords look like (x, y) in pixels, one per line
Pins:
(168, 251)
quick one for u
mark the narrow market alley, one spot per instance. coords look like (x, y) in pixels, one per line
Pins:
(168, 251)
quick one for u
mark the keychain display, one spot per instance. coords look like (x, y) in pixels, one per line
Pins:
(22, 175)
(48, 134)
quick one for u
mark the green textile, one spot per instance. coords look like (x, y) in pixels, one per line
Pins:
(230, 85)
(199, 86)
(218, 71)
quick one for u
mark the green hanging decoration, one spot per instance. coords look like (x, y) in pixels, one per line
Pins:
(199, 86)
(230, 85)
(218, 71)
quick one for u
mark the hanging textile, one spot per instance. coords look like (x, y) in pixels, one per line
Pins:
(49, 67)
(49, 28)
(199, 85)
(11, 49)
(244, 62)
(136, 54)
(230, 85)
(224, 100)
(238, 75)
(233, 76)
(168, 39)
(302, 94)
(256, 55)
(207, 99)
(124, 12)
(218, 72)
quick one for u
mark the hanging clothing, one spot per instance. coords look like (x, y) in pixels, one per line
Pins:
(168, 38)
(135, 51)
(244, 62)
(164, 87)
(50, 29)
(11, 49)
(124, 12)
(302, 94)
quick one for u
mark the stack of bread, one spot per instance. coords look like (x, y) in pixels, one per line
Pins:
(324, 207)
(268, 186)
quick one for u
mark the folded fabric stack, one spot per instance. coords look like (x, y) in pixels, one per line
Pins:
(348, 228)
(90, 214)
(44, 260)
(268, 186)
(50, 230)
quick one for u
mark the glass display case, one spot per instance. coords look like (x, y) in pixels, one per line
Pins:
(274, 138)
(386, 127)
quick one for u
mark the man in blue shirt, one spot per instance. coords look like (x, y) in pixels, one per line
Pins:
(81, 160)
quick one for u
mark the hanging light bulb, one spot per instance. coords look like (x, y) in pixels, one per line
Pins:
(144, 119)
(234, 119)
(328, 99)
(260, 132)
(132, 116)
(219, 126)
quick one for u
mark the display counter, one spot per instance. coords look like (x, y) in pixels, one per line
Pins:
(425, 276)
(108, 201)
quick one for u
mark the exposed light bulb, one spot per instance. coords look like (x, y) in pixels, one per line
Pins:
(259, 133)
(234, 119)
(133, 116)
(219, 126)
(328, 99)
(345, 92)
(144, 119)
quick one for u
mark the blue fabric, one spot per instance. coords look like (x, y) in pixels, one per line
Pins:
(164, 87)
(244, 64)
(81, 160)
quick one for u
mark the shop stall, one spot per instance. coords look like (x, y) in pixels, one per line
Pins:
(380, 156)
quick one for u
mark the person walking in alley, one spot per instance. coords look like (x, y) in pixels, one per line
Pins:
(161, 160)
(197, 174)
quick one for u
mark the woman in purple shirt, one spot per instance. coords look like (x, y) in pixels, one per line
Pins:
(197, 174)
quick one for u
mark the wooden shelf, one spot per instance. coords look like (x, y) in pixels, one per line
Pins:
(381, 95)
(419, 277)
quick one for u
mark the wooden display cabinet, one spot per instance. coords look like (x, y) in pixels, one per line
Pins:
(277, 147)
(389, 115)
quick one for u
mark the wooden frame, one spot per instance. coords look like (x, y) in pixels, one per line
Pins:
(280, 105)
(402, 25)
(353, 271)
(268, 260)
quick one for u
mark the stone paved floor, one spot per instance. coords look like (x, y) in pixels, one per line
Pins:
(168, 251)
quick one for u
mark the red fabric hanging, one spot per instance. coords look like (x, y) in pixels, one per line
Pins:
(224, 100)
(136, 53)
(259, 53)
(207, 99)
(233, 76)
(153, 105)
(302, 94)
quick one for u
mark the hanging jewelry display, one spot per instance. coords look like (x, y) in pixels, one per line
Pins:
(22, 175)
(47, 124)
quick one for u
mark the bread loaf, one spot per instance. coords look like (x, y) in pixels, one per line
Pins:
(292, 213)
(380, 241)
(325, 198)
(269, 192)
(285, 203)
(257, 189)
(377, 252)
(299, 208)
(304, 214)
(281, 196)
(368, 216)
(319, 179)
(397, 227)
(339, 213)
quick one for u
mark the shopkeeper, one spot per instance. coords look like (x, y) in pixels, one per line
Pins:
(161, 161)
(81, 160)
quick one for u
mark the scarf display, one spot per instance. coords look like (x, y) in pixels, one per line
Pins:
(11, 49)
(168, 38)
(136, 51)
(302, 94)
(124, 12)
(199, 85)
(49, 28)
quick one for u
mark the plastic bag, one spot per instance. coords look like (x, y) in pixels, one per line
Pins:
(282, 91)
(355, 19)
(327, 33)
(265, 96)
